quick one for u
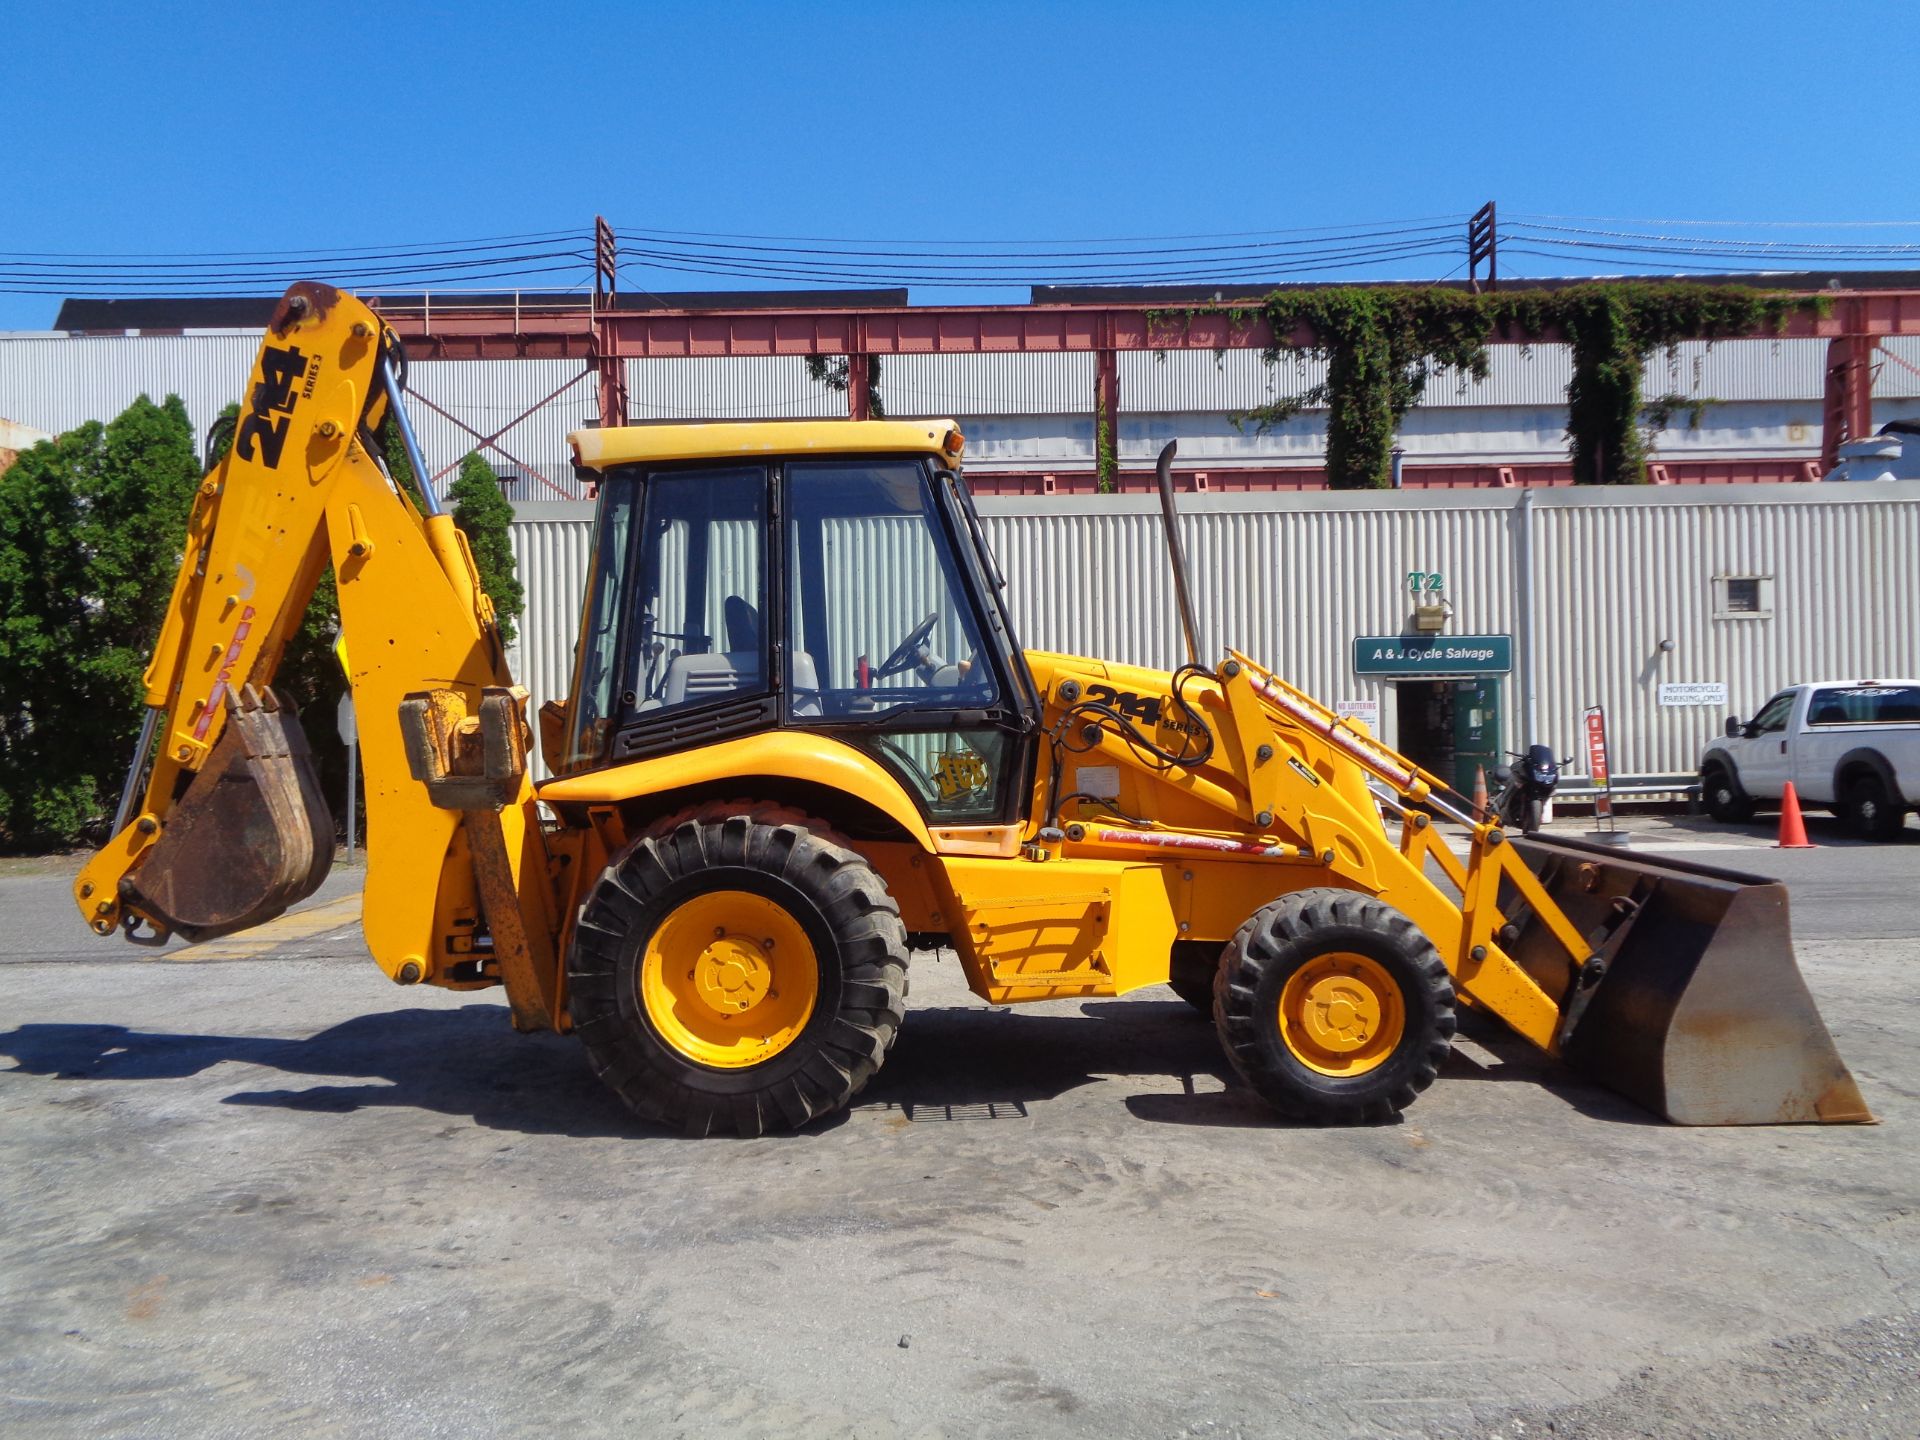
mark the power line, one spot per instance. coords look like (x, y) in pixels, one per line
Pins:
(446, 247)
(652, 237)
(1733, 224)
(1056, 240)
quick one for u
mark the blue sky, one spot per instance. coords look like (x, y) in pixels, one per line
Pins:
(147, 128)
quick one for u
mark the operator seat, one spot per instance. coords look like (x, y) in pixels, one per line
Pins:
(692, 678)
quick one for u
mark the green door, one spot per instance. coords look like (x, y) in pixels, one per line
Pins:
(1476, 731)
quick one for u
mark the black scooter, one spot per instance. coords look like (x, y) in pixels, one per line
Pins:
(1523, 795)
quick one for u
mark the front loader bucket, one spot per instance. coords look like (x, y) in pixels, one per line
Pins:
(251, 836)
(1702, 1015)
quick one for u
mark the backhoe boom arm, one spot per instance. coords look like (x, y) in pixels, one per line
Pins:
(229, 827)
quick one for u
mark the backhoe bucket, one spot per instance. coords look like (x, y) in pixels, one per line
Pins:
(1701, 1014)
(251, 836)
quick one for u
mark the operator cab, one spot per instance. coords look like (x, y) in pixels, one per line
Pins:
(843, 586)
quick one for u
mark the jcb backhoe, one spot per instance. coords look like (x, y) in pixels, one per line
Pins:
(802, 743)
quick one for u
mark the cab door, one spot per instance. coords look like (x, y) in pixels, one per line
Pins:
(1764, 761)
(890, 643)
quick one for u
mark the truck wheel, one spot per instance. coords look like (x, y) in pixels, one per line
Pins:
(1726, 801)
(1868, 810)
(734, 975)
(1334, 1006)
(1193, 966)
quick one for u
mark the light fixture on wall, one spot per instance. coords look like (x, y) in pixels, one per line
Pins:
(1432, 615)
(1667, 646)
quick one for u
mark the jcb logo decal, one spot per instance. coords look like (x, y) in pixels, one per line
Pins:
(271, 408)
(1134, 707)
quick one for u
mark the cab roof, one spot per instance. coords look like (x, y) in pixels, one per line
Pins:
(628, 444)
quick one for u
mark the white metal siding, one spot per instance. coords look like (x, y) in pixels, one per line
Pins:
(729, 387)
(491, 398)
(964, 385)
(1612, 582)
(551, 553)
(1728, 370)
(1292, 581)
(55, 382)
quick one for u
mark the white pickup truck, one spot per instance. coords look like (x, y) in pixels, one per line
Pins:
(1852, 746)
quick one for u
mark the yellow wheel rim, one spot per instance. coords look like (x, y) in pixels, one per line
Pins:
(1341, 1014)
(729, 979)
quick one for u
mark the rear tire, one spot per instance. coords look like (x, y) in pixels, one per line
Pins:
(1869, 811)
(1725, 800)
(1334, 1007)
(705, 912)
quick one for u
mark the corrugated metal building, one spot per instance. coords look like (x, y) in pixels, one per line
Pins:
(1586, 584)
(1754, 586)
(1022, 412)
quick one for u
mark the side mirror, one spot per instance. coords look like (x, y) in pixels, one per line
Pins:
(1734, 726)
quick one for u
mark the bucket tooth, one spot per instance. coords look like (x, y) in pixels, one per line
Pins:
(1702, 1015)
(251, 836)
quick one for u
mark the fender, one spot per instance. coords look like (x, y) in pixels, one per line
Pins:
(809, 757)
(1866, 758)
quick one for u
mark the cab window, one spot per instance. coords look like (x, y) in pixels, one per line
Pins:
(883, 639)
(1772, 716)
(1865, 705)
(695, 624)
(596, 656)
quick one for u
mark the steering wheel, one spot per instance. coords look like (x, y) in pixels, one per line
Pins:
(907, 653)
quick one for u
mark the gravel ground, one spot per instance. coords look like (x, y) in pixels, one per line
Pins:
(271, 1194)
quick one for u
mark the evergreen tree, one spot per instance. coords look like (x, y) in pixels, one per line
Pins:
(485, 515)
(91, 526)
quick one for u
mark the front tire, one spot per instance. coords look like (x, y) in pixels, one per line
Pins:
(1869, 811)
(1334, 1007)
(737, 973)
(1725, 800)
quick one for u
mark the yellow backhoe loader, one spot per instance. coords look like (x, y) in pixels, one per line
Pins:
(802, 742)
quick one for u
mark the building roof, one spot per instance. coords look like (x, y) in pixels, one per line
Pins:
(1799, 280)
(252, 312)
(626, 445)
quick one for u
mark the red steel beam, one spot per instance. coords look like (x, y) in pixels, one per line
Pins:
(543, 330)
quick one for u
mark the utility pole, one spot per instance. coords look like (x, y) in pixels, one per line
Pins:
(610, 369)
(1483, 243)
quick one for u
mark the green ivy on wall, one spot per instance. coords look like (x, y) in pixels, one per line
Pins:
(1383, 344)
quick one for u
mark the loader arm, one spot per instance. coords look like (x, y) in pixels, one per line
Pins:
(222, 824)
(1674, 984)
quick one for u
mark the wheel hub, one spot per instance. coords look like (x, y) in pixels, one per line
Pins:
(1341, 1014)
(729, 979)
(732, 974)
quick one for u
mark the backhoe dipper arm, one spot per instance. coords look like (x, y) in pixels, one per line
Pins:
(229, 827)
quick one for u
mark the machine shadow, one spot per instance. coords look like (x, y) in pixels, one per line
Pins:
(464, 1062)
(966, 1062)
(1520, 1061)
(950, 1063)
(958, 1062)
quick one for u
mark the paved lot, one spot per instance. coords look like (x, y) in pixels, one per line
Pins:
(257, 1190)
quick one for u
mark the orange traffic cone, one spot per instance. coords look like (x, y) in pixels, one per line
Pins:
(1793, 830)
(1479, 789)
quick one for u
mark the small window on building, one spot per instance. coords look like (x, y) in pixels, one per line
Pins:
(1742, 597)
